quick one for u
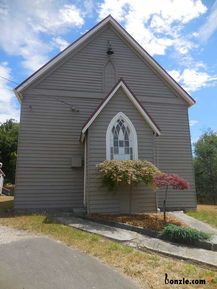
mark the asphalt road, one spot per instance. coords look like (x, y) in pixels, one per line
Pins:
(32, 262)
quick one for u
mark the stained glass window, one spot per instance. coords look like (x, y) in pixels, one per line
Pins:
(121, 141)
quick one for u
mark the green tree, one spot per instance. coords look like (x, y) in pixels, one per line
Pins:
(205, 165)
(8, 148)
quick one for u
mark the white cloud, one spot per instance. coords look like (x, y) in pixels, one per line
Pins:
(25, 26)
(8, 108)
(193, 122)
(183, 46)
(155, 24)
(207, 30)
(193, 79)
(89, 7)
(60, 43)
(50, 18)
(175, 74)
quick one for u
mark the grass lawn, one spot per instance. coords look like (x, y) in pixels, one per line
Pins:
(6, 203)
(144, 267)
(206, 213)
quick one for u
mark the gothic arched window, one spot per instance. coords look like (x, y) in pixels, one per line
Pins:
(121, 139)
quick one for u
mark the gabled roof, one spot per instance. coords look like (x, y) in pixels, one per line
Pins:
(129, 39)
(133, 99)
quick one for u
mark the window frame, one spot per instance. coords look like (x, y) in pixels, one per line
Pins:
(132, 131)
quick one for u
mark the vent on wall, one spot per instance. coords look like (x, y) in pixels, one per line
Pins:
(109, 76)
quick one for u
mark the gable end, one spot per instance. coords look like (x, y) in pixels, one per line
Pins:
(133, 99)
(109, 19)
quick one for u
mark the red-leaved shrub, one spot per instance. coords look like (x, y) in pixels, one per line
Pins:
(166, 180)
(170, 180)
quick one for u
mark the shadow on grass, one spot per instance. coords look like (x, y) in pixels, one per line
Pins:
(7, 210)
(50, 220)
(6, 207)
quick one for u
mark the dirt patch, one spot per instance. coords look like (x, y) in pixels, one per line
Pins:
(4, 198)
(153, 221)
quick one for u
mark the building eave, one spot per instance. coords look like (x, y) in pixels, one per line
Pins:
(133, 43)
(133, 99)
(18, 95)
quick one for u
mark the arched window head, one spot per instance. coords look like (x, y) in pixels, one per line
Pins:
(121, 139)
(109, 76)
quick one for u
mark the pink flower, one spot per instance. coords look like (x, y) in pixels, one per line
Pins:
(170, 180)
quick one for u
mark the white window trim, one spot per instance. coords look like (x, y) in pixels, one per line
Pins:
(132, 129)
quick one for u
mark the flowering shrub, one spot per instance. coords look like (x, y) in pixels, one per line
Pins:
(170, 180)
(116, 172)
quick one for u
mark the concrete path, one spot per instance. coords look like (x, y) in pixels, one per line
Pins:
(196, 224)
(196, 255)
(96, 228)
(142, 242)
(32, 262)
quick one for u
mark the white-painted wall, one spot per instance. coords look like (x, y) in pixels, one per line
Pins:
(1, 182)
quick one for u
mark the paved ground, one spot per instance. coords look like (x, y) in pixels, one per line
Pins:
(35, 262)
(140, 241)
(197, 224)
(110, 232)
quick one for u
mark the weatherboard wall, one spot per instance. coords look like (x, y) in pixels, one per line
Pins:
(99, 198)
(50, 130)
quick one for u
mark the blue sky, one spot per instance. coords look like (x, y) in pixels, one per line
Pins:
(180, 35)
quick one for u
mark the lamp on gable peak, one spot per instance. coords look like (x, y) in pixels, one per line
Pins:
(109, 49)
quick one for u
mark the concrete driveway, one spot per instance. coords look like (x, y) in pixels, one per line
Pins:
(35, 262)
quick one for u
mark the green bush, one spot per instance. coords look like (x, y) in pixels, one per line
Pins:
(183, 235)
(129, 172)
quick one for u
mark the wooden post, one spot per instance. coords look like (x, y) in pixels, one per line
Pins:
(164, 204)
(130, 198)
